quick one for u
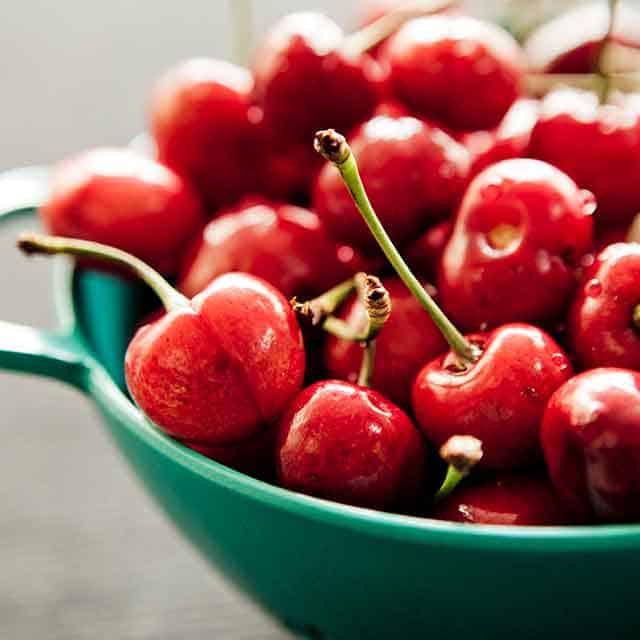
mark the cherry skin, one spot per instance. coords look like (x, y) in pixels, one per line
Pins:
(521, 230)
(591, 440)
(118, 197)
(350, 444)
(407, 340)
(498, 399)
(414, 173)
(304, 81)
(438, 62)
(221, 368)
(200, 120)
(517, 499)
(425, 254)
(603, 329)
(285, 245)
(608, 139)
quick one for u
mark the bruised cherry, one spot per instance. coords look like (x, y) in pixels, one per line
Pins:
(124, 199)
(604, 320)
(213, 370)
(591, 440)
(519, 234)
(200, 118)
(517, 499)
(415, 173)
(285, 245)
(458, 70)
(347, 443)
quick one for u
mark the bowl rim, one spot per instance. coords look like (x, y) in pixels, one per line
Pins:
(419, 530)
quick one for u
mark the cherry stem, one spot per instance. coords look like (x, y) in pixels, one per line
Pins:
(242, 28)
(635, 315)
(334, 147)
(605, 77)
(379, 30)
(538, 84)
(34, 243)
(325, 304)
(462, 454)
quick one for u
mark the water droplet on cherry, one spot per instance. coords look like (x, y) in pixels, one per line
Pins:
(588, 202)
(593, 288)
(560, 360)
(491, 191)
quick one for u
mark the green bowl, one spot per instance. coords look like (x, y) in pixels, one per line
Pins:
(328, 570)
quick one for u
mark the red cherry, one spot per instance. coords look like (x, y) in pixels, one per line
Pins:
(407, 341)
(349, 443)
(507, 499)
(283, 244)
(124, 199)
(521, 229)
(200, 119)
(604, 321)
(414, 173)
(559, 47)
(591, 440)
(456, 69)
(608, 139)
(424, 255)
(499, 398)
(304, 80)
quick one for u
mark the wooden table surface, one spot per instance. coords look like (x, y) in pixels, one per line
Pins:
(84, 553)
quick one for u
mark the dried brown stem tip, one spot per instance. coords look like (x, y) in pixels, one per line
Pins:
(30, 244)
(331, 145)
(376, 299)
(462, 453)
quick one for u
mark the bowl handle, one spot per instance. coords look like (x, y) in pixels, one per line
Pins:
(57, 354)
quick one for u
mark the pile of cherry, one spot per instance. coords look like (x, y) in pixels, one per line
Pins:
(278, 356)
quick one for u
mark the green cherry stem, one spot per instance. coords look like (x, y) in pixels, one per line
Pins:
(605, 78)
(635, 316)
(334, 147)
(318, 309)
(34, 243)
(461, 453)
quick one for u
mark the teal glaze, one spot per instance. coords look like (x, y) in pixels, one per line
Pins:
(329, 570)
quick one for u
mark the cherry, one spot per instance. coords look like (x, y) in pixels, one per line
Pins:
(437, 62)
(604, 321)
(124, 199)
(608, 139)
(197, 109)
(348, 443)
(305, 79)
(285, 245)
(591, 440)
(519, 234)
(415, 172)
(506, 499)
(491, 386)
(424, 255)
(402, 347)
(213, 370)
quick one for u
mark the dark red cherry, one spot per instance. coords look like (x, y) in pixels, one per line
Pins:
(350, 444)
(499, 399)
(596, 145)
(458, 70)
(200, 120)
(285, 245)
(591, 440)
(305, 81)
(506, 499)
(424, 255)
(408, 340)
(413, 171)
(519, 234)
(604, 321)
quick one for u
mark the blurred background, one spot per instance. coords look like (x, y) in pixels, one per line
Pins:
(83, 552)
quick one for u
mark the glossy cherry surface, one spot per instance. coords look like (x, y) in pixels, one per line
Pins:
(459, 70)
(596, 145)
(200, 120)
(408, 340)
(591, 440)
(521, 229)
(517, 499)
(304, 81)
(126, 200)
(602, 329)
(349, 443)
(499, 399)
(285, 245)
(222, 367)
(414, 173)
